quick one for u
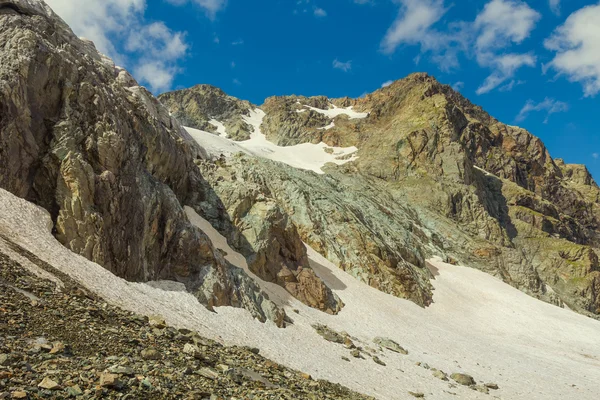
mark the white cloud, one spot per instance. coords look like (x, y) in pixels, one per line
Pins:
(577, 47)
(595, 155)
(387, 83)
(118, 29)
(458, 86)
(504, 67)
(238, 42)
(413, 23)
(503, 22)
(344, 66)
(319, 12)
(211, 7)
(549, 105)
(510, 85)
(158, 75)
(555, 6)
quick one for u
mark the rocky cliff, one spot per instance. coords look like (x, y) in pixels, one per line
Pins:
(80, 138)
(435, 175)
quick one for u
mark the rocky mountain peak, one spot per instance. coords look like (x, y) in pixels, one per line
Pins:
(208, 108)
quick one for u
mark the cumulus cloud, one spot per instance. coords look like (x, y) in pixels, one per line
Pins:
(118, 29)
(500, 25)
(413, 25)
(503, 22)
(344, 66)
(387, 83)
(577, 47)
(549, 105)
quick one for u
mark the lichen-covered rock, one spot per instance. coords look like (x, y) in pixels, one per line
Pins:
(197, 106)
(259, 227)
(352, 222)
(102, 155)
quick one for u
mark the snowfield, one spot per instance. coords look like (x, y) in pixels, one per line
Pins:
(335, 111)
(477, 324)
(306, 156)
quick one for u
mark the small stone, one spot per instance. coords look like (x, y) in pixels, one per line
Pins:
(150, 354)
(4, 359)
(49, 384)
(390, 345)
(109, 380)
(121, 370)
(19, 395)
(440, 375)
(156, 321)
(345, 358)
(378, 361)
(493, 386)
(463, 379)
(481, 388)
(192, 350)
(306, 376)
(74, 391)
(355, 353)
(57, 347)
(417, 394)
(208, 373)
(147, 384)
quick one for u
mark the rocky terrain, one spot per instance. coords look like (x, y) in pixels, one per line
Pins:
(429, 162)
(80, 138)
(62, 341)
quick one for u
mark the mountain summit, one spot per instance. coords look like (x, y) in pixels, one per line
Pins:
(432, 174)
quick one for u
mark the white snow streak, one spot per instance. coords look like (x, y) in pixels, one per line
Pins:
(335, 111)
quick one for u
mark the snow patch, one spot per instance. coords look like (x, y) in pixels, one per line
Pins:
(306, 156)
(335, 111)
(221, 130)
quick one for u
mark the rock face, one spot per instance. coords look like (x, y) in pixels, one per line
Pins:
(347, 219)
(435, 175)
(197, 106)
(81, 139)
(257, 225)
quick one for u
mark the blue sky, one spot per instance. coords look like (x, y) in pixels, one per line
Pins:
(532, 63)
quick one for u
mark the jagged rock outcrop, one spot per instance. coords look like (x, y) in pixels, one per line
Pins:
(261, 229)
(197, 106)
(81, 139)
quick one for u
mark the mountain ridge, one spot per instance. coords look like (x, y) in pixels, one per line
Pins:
(496, 181)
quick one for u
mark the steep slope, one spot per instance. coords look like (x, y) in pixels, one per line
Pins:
(477, 325)
(472, 189)
(81, 139)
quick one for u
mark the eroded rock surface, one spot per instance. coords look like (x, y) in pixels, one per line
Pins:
(81, 139)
